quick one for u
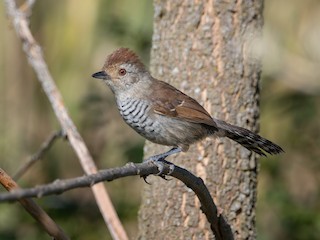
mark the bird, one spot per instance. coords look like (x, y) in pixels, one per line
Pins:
(165, 115)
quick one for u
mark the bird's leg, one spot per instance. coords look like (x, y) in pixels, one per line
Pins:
(159, 160)
(163, 156)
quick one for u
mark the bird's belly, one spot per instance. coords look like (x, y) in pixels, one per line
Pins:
(157, 128)
(136, 113)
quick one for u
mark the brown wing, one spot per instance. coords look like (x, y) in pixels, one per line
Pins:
(171, 102)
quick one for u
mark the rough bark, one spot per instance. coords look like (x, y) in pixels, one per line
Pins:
(207, 50)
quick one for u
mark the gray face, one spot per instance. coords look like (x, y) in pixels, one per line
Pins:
(120, 77)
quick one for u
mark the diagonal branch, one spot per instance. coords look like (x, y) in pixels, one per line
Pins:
(35, 57)
(33, 209)
(219, 226)
(45, 146)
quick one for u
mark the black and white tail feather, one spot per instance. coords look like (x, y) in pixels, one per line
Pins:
(248, 139)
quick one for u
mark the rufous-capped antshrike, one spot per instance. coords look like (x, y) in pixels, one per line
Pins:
(163, 114)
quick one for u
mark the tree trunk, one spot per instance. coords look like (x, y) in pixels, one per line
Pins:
(206, 49)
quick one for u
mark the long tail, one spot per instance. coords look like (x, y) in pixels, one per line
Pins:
(248, 139)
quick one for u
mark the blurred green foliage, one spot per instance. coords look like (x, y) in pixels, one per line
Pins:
(76, 36)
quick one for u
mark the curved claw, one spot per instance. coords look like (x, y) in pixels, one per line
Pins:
(164, 177)
(145, 179)
(160, 165)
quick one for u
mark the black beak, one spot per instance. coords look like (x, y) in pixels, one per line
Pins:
(101, 75)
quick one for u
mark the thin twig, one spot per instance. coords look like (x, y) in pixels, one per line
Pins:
(45, 146)
(33, 209)
(35, 57)
(219, 226)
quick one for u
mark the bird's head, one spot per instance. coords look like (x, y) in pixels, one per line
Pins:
(122, 70)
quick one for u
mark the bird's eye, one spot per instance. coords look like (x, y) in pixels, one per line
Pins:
(122, 72)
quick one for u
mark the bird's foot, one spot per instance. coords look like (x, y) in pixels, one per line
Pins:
(160, 162)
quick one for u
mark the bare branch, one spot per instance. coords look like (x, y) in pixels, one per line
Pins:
(34, 54)
(219, 226)
(45, 146)
(33, 209)
(27, 6)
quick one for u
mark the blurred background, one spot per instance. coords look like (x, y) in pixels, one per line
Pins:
(76, 37)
